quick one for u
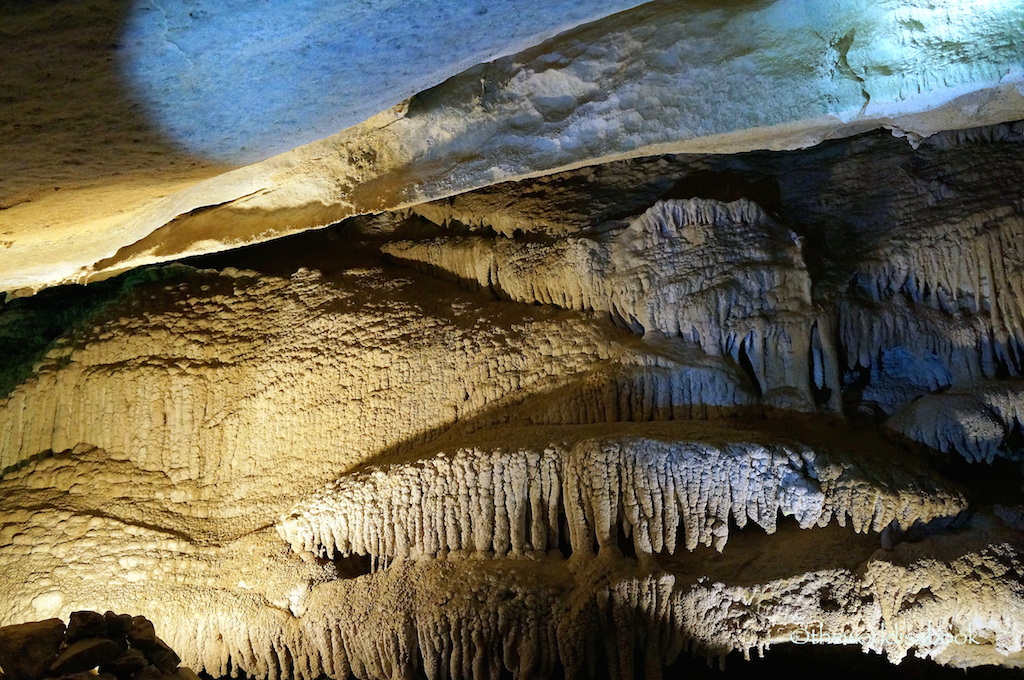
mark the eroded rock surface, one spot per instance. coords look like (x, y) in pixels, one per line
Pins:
(724, 277)
(660, 78)
(464, 441)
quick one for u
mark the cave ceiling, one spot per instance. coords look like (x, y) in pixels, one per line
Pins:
(140, 133)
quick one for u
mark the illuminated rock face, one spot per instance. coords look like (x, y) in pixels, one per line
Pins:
(721, 404)
(344, 62)
(662, 77)
(724, 277)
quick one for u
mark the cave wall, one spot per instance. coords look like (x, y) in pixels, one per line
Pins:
(588, 424)
(689, 332)
(138, 174)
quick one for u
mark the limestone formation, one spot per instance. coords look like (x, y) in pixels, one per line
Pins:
(980, 424)
(363, 471)
(170, 389)
(956, 287)
(722, 276)
(662, 494)
(642, 82)
(594, 370)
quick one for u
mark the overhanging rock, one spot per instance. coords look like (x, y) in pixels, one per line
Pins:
(662, 78)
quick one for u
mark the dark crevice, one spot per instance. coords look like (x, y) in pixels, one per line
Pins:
(743, 359)
(893, 534)
(624, 540)
(1013, 443)
(728, 186)
(855, 381)
(817, 369)
(1000, 481)
(352, 566)
(564, 546)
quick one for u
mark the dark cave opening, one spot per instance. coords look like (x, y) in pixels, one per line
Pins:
(998, 482)
(727, 186)
(624, 540)
(354, 566)
(838, 662)
(743, 359)
(1013, 442)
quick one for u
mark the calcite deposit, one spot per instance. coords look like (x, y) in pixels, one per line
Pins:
(467, 439)
(724, 276)
(688, 334)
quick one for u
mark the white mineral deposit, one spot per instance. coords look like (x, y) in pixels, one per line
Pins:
(447, 339)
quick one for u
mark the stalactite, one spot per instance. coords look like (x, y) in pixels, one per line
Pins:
(945, 307)
(662, 494)
(594, 481)
(724, 277)
(478, 617)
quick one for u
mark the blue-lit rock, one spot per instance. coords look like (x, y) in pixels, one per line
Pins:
(239, 81)
(660, 78)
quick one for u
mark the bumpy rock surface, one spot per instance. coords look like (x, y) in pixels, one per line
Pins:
(724, 277)
(979, 424)
(660, 78)
(538, 443)
(665, 493)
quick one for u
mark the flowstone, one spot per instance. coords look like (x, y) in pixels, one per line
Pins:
(431, 443)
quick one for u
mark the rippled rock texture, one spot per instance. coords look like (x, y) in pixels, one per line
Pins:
(588, 424)
(393, 107)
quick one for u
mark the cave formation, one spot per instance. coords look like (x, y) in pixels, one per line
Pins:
(638, 340)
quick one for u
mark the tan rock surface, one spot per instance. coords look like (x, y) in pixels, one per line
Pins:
(600, 92)
(648, 416)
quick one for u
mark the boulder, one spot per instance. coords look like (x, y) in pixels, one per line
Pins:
(149, 673)
(142, 634)
(86, 624)
(84, 655)
(185, 673)
(27, 649)
(126, 665)
(163, 657)
(118, 625)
